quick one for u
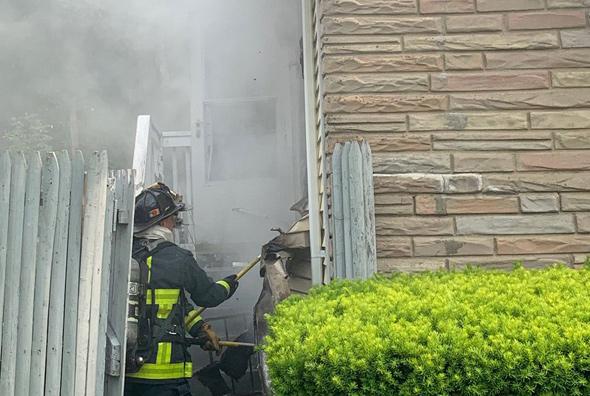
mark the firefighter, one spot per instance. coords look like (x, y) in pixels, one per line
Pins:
(168, 321)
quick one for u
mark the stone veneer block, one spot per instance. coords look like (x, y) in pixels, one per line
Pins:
(555, 19)
(384, 144)
(468, 121)
(487, 41)
(464, 61)
(508, 262)
(344, 118)
(539, 203)
(394, 247)
(401, 226)
(369, 7)
(572, 140)
(455, 246)
(343, 49)
(382, 83)
(536, 182)
(474, 23)
(462, 183)
(381, 24)
(568, 3)
(383, 63)
(538, 59)
(408, 183)
(460, 204)
(411, 163)
(446, 6)
(391, 265)
(540, 99)
(575, 202)
(575, 119)
(516, 224)
(583, 220)
(569, 79)
(364, 103)
(569, 160)
(543, 244)
(493, 81)
(509, 5)
(575, 38)
(483, 162)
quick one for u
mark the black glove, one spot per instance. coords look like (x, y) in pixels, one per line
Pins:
(233, 283)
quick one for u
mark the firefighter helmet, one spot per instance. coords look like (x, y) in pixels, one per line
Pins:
(154, 204)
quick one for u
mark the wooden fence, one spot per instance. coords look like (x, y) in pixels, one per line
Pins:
(65, 243)
(353, 211)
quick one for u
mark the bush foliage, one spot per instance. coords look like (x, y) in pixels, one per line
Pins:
(463, 333)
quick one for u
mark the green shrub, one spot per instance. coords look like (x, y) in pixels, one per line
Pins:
(464, 333)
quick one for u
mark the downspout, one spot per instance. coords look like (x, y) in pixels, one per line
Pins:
(311, 139)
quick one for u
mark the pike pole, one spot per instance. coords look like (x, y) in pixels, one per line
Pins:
(251, 264)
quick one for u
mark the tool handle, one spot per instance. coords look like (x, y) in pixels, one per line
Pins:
(234, 344)
(251, 264)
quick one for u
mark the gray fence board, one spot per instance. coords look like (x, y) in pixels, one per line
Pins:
(353, 200)
(346, 208)
(72, 275)
(27, 275)
(90, 271)
(12, 279)
(94, 337)
(47, 225)
(369, 193)
(119, 283)
(5, 173)
(58, 272)
(104, 289)
(338, 213)
(357, 212)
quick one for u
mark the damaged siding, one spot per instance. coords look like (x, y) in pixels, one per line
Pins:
(478, 115)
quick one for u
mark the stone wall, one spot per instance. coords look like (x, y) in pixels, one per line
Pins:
(478, 115)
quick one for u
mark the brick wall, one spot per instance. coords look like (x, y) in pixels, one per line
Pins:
(478, 114)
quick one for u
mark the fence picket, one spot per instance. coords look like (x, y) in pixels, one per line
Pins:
(58, 272)
(47, 224)
(357, 212)
(90, 266)
(338, 213)
(12, 276)
(369, 193)
(120, 282)
(27, 275)
(104, 289)
(353, 216)
(72, 275)
(5, 173)
(346, 210)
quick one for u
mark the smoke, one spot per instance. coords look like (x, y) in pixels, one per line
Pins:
(77, 73)
(88, 68)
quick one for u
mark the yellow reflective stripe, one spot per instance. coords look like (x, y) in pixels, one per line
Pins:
(164, 353)
(224, 284)
(149, 265)
(164, 296)
(192, 319)
(164, 310)
(164, 371)
(165, 299)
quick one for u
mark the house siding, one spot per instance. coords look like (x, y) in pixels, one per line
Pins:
(478, 115)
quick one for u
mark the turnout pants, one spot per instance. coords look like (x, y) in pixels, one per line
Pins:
(155, 389)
